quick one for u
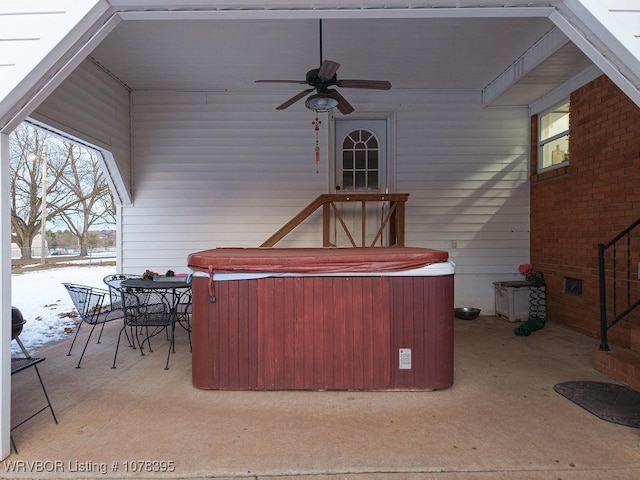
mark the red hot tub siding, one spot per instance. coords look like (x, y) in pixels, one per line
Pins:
(323, 333)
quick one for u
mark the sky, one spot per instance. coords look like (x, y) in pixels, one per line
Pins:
(41, 298)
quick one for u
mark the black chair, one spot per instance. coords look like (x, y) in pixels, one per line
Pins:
(113, 284)
(183, 312)
(115, 297)
(151, 311)
(91, 307)
(19, 364)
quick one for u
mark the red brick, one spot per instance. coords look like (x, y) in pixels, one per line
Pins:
(577, 207)
(634, 339)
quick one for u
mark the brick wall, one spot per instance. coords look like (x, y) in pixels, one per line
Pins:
(574, 208)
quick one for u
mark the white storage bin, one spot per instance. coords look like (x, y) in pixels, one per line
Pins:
(512, 300)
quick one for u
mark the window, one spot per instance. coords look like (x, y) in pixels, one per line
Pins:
(553, 141)
(360, 161)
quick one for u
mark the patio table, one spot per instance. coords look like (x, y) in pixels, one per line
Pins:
(147, 283)
(174, 291)
(174, 294)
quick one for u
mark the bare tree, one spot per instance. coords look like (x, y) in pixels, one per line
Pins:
(83, 177)
(75, 190)
(30, 149)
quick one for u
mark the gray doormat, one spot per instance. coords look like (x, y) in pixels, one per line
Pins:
(608, 401)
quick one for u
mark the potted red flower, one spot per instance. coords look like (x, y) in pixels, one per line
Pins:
(531, 274)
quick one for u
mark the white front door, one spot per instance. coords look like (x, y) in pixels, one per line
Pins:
(361, 155)
(361, 166)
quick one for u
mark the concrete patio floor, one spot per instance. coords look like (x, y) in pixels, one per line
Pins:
(500, 420)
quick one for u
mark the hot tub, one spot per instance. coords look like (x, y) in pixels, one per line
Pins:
(322, 319)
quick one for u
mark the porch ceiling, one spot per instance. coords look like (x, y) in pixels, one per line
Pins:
(412, 53)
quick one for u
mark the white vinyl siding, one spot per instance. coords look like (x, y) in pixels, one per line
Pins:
(226, 169)
(101, 120)
(607, 31)
(36, 38)
(217, 169)
(627, 13)
(466, 169)
(23, 24)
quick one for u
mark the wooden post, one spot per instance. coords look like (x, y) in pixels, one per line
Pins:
(399, 224)
(326, 224)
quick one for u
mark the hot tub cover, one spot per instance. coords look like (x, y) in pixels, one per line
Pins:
(314, 260)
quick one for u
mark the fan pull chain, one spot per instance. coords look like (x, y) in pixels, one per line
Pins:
(317, 123)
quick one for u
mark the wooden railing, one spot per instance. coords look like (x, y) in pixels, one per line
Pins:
(393, 218)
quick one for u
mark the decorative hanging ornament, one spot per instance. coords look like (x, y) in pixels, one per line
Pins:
(317, 123)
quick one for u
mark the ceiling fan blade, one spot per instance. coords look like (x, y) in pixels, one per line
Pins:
(300, 82)
(294, 99)
(370, 84)
(328, 69)
(344, 106)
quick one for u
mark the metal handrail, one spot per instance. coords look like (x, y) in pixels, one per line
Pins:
(605, 324)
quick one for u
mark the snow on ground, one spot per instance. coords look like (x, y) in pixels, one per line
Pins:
(41, 298)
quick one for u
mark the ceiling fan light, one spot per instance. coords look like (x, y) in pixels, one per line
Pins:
(321, 103)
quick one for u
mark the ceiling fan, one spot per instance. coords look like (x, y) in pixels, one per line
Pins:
(320, 80)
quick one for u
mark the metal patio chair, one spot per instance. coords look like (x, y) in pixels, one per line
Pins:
(149, 311)
(115, 297)
(92, 309)
(183, 312)
(113, 283)
(19, 364)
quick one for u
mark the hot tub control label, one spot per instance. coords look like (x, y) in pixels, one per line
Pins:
(405, 359)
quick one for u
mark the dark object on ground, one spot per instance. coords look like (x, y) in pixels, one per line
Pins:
(609, 401)
(531, 325)
(466, 313)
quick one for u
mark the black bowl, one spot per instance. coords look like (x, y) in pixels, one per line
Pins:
(466, 313)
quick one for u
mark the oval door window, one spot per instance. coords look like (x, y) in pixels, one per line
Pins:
(361, 161)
